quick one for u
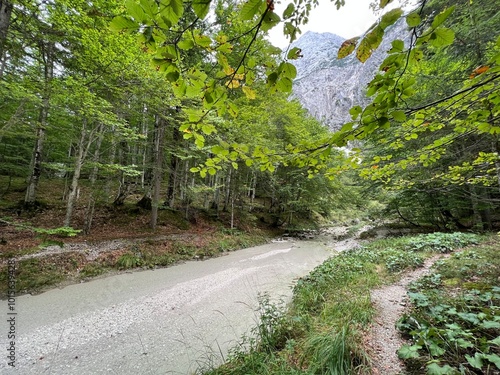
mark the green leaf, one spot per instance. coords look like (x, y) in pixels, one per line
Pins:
(135, 10)
(250, 9)
(384, 3)
(434, 369)
(294, 53)
(476, 361)
(250, 94)
(464, 343)
(287, 13)
(399, 116)
(369, 43)
(203, 40)
(397, 46)
(271, 19)
(173, 75)
(272, 78)
(288, 70)
(186, 44)
(436, 350)
(284, 84)
(441, 17)
(149, 7)
(490, 324)
(347, 47)
(172, 10)
(407, 351)
(495, 341)
(207, 129)
(469, 317)
(355, 112)
(200, 141)
(493, 358)
(123, 24)
(390, 18)
(413, 19)
(201, 8)
(442, 37)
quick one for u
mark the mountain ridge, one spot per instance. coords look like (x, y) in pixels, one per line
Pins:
(328, 87)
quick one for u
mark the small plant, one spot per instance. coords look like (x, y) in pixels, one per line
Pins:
(129, 260)
(272, 329)
(60, 232)
(92, 270)
(442, 242)
(333, 353)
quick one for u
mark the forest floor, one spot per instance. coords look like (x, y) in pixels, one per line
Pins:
(120, 240)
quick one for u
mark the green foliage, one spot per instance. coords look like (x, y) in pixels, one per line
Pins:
(442, 242)
(60, 232)
(454, 330)
(332, 353)
(440, 165)
(129, 260)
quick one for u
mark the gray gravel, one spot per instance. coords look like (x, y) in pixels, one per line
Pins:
(167, 321)
(384, 340)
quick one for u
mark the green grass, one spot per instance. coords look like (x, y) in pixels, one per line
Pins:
(321, 332)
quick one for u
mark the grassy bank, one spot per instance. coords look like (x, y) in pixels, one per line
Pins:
(321, 332)
(37, 274)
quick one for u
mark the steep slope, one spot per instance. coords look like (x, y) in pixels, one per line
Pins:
(328, 87)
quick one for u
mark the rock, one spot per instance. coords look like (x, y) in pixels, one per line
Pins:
(328, 87)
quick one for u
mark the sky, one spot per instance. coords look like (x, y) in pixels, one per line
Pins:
(353, 19)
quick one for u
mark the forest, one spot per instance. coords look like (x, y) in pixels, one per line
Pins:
(184, 111)
(141, 118)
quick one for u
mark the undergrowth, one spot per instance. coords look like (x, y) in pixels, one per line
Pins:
(321, 331)
(454, 325)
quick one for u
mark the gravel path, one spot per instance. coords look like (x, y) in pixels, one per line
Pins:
(383, 339)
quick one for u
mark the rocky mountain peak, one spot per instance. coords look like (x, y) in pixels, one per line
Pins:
(328, 87)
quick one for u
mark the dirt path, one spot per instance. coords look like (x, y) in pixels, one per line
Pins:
(383, 339)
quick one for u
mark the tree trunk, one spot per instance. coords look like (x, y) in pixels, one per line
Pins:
(477, 221)
(174, 168)
(80, 158)
(89, 214)
(36, 160)
(495, 148)
(5, 13)
(159, 132)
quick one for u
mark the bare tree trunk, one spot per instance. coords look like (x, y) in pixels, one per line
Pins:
(80, 158)
(495, 148)
(476, 216)
(89, 214)
(112, 157)
(36, 160)
(5, 13)
(157, 168)
(174, 168)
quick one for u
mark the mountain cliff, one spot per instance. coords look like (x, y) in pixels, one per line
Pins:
(328, 87)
